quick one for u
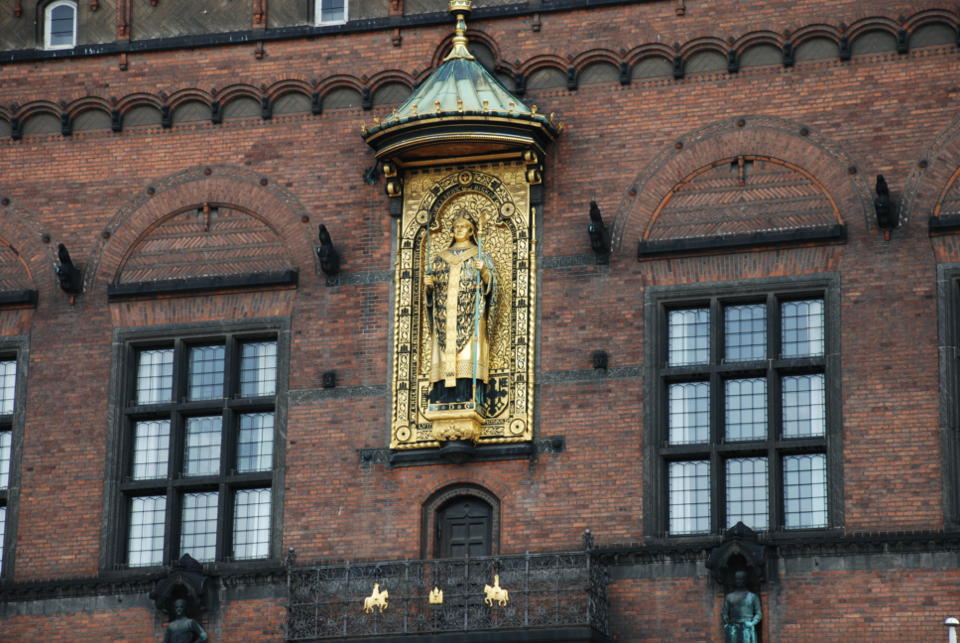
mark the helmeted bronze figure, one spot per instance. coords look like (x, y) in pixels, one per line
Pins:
(741, 613)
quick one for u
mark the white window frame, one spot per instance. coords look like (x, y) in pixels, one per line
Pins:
(318, 13)
(48, 23)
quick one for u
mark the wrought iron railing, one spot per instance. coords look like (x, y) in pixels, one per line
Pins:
(542, 591)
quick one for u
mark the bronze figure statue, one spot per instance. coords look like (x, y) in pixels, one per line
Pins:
(461, 296)
(183, 629)
(741, 613)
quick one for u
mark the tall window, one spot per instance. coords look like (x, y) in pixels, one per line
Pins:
(198, 450)
(8, 390)
(60, 25)
(331, 11)
(743, 431)
(948, 281)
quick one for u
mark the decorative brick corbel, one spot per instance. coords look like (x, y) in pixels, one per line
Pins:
(396, 7)
(18, 8)
(123, 20)
(94, 5)
(258, 51)
(124, 63)
(681, 8)
(259, 14)
(397, 37)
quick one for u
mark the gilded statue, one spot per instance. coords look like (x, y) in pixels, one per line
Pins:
(741, 613)
(461, 299)
(465, 310)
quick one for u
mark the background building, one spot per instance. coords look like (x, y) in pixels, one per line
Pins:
(761, 346)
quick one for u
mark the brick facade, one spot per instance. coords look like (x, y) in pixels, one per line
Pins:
(104, 194)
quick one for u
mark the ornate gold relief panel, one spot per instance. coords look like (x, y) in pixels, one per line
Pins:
(500, 308)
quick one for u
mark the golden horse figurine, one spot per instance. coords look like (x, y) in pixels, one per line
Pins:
(377, 599)
(495, 593)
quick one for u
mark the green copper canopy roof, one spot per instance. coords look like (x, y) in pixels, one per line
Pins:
(460, 100)
(461, 84)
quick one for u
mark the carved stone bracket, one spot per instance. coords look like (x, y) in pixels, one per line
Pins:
(739, 551)
(185, 581)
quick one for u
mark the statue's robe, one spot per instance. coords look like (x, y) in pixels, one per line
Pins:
(741, 613)
(454, 310)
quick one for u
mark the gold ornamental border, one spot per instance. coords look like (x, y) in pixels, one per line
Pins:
(405, 382)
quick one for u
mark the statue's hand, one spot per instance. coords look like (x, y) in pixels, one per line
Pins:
(428, 281)
(484, 272)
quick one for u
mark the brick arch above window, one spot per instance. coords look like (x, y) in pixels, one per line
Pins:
(235, 189)
(933, 189)
(205, 240)
(742, 195)
(26, 263)
(794, 145)
(442, 498)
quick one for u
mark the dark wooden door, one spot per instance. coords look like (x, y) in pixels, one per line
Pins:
(464, 527)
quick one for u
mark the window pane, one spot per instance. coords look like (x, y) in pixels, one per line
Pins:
(805, 491)
(689, 413)
(199, 526)
(255, 446)
(151, 450)
(61, 25)
(332, 10)
(746, 409)
(689, 497)
(8, 386)
(747, 493)
(688, 337)
(258, 369)
(206, 372)
(804, 409)
(251, 524)
(745, 332)
(6, 444)
(155, 377)
(202, 457)
(802, 326)
(147, 516)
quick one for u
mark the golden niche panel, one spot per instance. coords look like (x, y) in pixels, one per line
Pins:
(464, 308)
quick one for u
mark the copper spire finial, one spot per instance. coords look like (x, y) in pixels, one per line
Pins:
(461, 9)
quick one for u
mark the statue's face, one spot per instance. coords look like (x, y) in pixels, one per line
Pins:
(740, 578)
(462, 230)
(180, 607)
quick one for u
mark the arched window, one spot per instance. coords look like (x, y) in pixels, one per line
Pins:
(60, 25)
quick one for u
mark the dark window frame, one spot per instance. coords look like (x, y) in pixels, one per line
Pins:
(657, 453)
(948, 320)
(120, 489)
(18, 348)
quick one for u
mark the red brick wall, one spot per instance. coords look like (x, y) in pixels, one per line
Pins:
(880, 115)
